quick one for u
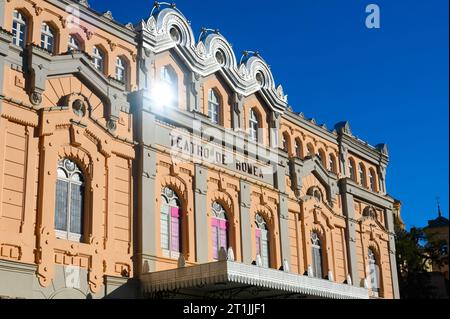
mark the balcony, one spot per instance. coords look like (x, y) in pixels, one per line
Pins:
(229, 279)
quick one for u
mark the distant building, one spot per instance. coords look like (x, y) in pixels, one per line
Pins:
(397, 214)
(438, 230)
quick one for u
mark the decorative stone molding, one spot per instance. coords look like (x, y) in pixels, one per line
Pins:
(108, 15)
(84, 3)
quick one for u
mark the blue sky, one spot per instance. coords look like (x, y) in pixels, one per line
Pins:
(390, 83)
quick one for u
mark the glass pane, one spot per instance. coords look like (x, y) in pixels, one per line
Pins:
(164, 230)
(265, 252)
(223, 239)
(76, 209)
(62, 189)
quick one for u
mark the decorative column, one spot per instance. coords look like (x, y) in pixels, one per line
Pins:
(193, 85)
(246, 240)
(201, 215)
(392, 253)
(349, 212)
(283, 212)
(147, 190)
(275, 129)
(238, 112)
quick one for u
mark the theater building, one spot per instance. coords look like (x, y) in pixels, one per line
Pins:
(144, 161)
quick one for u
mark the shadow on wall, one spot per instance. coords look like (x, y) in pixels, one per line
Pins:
(129, 290)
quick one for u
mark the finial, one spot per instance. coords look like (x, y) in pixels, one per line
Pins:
(439, 206)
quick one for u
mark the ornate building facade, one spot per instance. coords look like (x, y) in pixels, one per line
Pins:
(138, 161)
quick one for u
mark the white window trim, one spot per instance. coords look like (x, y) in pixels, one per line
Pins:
(48, 33)
(74, 44)
(213, 107)
(68, 235)
(122, 66)
(254, 125)
(22, 28)
(98, 59)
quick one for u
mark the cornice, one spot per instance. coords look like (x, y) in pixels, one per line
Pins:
(200, 56)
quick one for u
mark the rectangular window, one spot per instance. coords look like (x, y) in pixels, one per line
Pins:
(18, 34)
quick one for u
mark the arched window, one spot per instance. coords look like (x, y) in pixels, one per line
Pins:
(262, 240)
(121, 70)
(310, 149)
(322, 158)
(219, 229)
(372, 180)
(254, 125)
(332, 163)
(74, 43)
(47, 38)
(362, 175)
(298, 148)
(315, 192)
(351, 169)
(169, 82)
(19, 29)
(98, 59)
(316, 255)
(286, 142)
(170, 223)
(213, 107)
(374, 274)
(70, 196)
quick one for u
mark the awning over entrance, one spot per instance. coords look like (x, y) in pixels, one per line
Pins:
(228, 279)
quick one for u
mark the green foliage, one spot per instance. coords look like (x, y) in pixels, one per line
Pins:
(416, 250)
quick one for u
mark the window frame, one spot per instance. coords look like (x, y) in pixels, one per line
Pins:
(74, 43)
(122, 65)
(219, 227)
(171, 201)
(372, 180)
(261, 237)
(20, 20)
(332, 163)
(317, 252)
(62, 167)
(362, 175)
(351, 169)
(214, 106)
(169, 77)
(98, 59)
(374, 269)
(254, 125)
(48, 33)
(298, 148)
